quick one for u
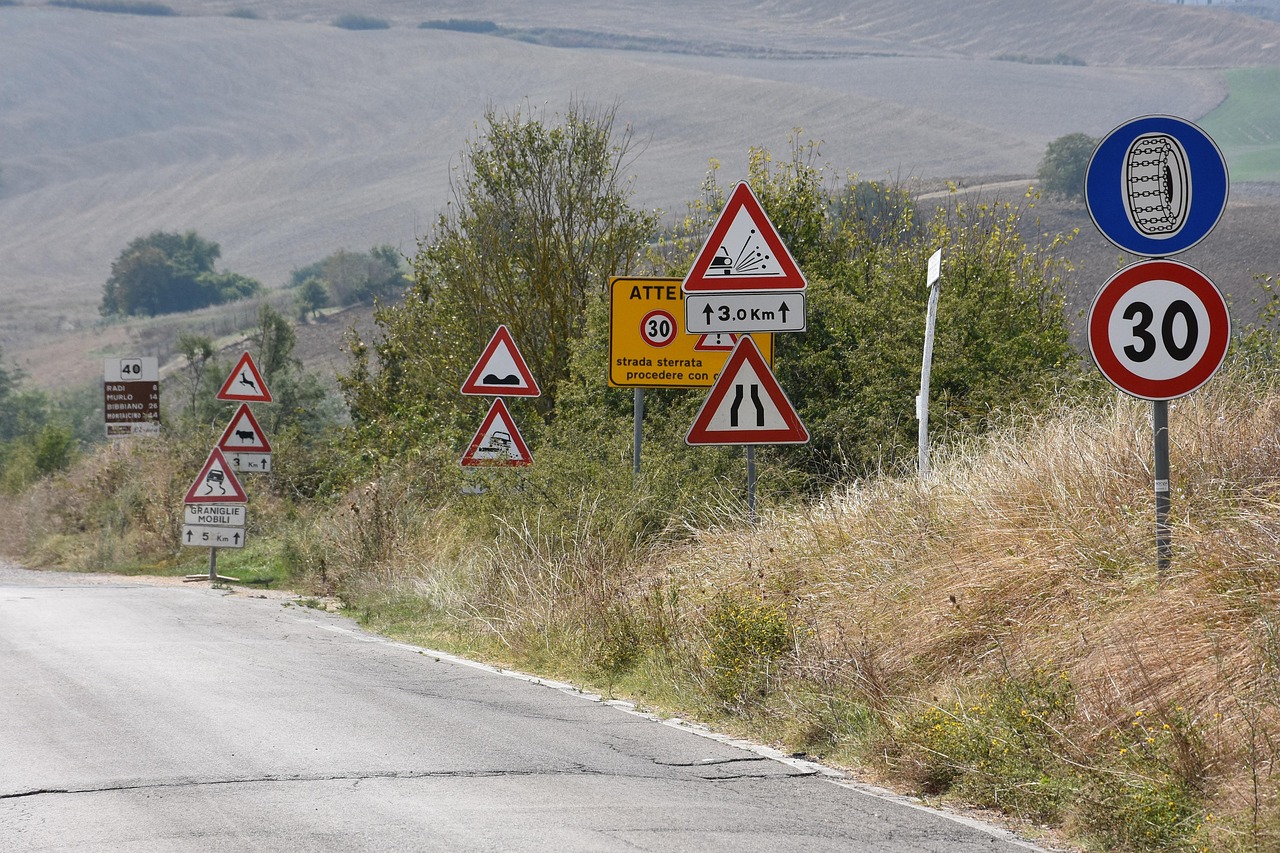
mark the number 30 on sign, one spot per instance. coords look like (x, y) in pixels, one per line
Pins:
(1159, 329)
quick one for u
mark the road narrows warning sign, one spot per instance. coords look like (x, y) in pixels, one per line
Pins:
(747, 405)
(497, 442)
(501, 369)
(744, 252)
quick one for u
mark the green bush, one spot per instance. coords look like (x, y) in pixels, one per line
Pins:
(747, 644)
(1005, 747)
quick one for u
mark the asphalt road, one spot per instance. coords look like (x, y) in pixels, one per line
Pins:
(140, 717)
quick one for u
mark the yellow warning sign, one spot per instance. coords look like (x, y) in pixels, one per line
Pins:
(648, 346)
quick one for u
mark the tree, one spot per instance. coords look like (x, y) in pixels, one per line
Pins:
(538, 222)
(312, 296)
(1061, 172)
(167, 272)
(198, 351)
(352, 278)
(298, 396)
(1002, 334)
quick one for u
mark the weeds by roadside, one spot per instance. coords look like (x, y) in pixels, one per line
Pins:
(996, 636)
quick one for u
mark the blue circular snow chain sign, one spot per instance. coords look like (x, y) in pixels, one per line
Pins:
(1156, 186)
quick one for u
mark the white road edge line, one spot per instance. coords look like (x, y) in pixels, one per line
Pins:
(829, 774)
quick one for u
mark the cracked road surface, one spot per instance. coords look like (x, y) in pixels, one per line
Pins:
(142, 717)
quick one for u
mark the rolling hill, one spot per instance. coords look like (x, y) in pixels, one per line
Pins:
(283, 137)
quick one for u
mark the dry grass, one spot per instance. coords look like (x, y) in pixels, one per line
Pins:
(998, 633)
(919, 619)
(1033, 548)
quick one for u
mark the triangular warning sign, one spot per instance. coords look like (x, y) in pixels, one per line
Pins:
(243, 435)
(716, 342)
(245, 383)
(497, 442)
(501, 369)
(747, 405)
(744, 252)
(217, 483)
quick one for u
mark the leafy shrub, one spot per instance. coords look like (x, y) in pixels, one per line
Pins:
(1003, 748)
(165, 272)
(1145, 796)
(351, 278)
(360, 22)
(746, 643)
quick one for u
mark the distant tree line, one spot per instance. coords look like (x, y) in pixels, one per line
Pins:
(118, 6)
(349, 278)
(462, 25)
(360, 22)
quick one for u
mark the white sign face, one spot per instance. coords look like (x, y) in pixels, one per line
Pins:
(206, 536)
(1158, 329)
(935, 268)
(250, 463)
(724, 313)
(145, 369)
(134, 428)
(221, 515)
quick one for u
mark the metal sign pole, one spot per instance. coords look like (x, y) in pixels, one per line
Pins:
(637, 408)
(751, 484)
(213, 565)
(1164, 535)
(930, 323)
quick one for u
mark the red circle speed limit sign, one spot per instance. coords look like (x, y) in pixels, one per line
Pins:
(658, 328)
(1159, 329)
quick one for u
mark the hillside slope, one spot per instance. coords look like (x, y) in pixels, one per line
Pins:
(285, 138)
(1100, 32)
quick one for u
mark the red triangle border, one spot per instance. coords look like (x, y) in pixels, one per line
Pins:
(498, 409)
(697, 281)
(746, 351)
(261, 395)
(237, 495)
(474, 384)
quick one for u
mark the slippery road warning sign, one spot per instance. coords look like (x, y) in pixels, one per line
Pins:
(216, 483)
(747, 405)
(743, 253)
